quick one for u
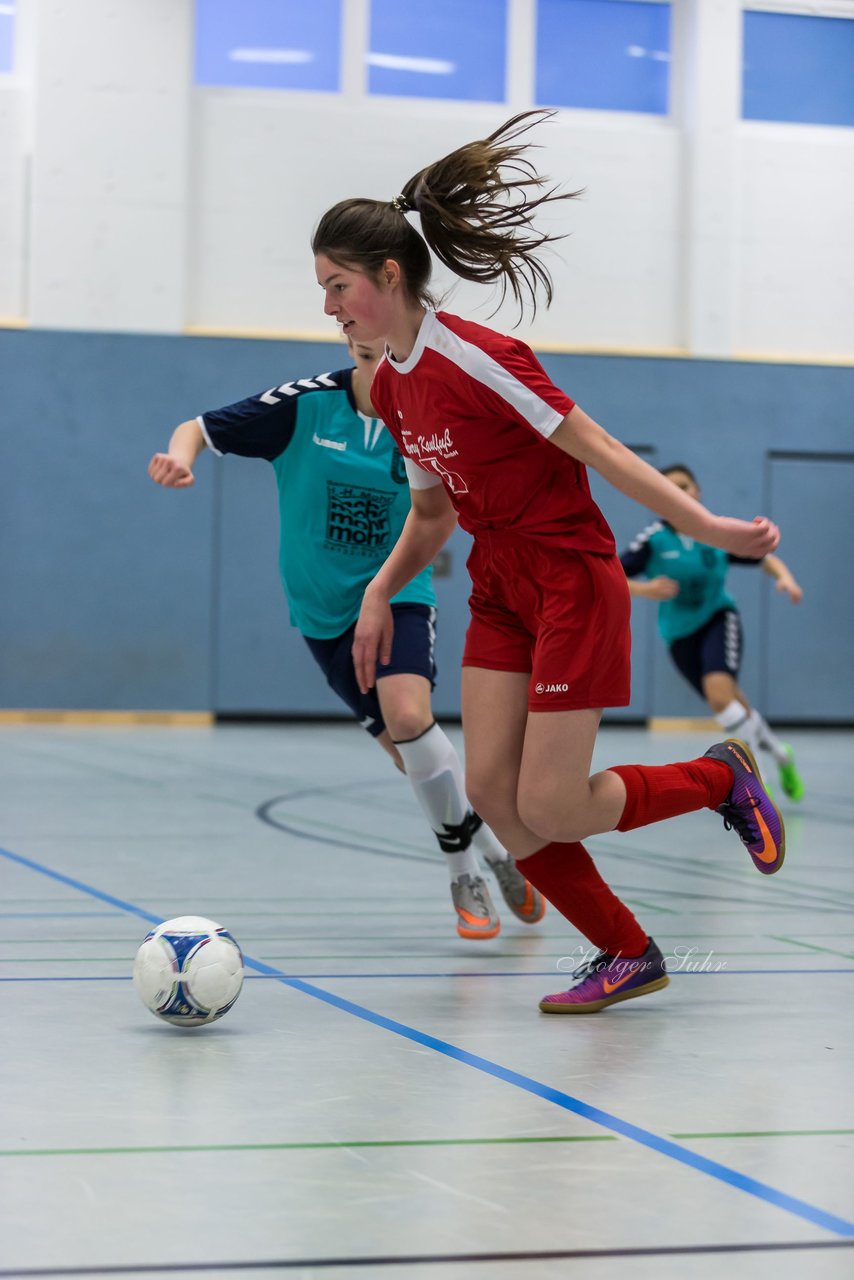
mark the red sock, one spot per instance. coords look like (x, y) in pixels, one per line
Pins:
(567, 876)
(655, 792)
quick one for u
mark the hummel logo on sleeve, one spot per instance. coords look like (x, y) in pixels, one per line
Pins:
(276, 394)
(645, 535)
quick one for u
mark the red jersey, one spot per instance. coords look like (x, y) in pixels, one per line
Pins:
(477, 408)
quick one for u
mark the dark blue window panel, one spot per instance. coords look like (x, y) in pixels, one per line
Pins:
(7, 37)
(798, 69)
(439, 49)
(269, 44)
(607, 55)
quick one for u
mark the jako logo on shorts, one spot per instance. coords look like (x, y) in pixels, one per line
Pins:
(551, 688)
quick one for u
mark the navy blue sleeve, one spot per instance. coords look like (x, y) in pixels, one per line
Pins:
(636, 556)
(262, 426)
(635, 561)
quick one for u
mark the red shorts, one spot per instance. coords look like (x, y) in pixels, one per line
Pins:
(562, 615)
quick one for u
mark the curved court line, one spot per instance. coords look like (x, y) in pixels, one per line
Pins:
(781, 896)
(264, 815)
(614, 1124)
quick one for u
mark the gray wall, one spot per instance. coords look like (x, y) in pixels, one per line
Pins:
(117, 594)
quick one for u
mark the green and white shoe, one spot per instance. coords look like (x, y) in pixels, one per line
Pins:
(790, 779)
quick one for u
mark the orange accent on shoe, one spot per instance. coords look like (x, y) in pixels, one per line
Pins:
(613, 986)
(478, 933)
(768, 852)
(740, 758)
(541, 911)
(470, 919)
(530, 903)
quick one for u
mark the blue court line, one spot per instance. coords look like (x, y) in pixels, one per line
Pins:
(644, 1137)
(457, 973)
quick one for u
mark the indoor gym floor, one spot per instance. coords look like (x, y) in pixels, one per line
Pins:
(385, 1100)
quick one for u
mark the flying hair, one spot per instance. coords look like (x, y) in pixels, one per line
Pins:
(476, 205)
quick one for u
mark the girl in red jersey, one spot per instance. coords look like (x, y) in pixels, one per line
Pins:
(489, 440)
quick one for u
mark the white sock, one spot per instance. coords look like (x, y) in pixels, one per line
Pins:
(736, 722)
(733, 716)
(766, 738)
(436, 776)
(485, 839)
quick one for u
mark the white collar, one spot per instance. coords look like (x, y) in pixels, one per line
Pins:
(424, 331)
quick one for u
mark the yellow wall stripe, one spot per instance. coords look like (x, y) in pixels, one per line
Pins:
(683, 724)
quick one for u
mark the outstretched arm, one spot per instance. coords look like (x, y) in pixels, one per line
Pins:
(428, 526)
(582, 438)
(174, 469)
(784, 578)
(653, 588)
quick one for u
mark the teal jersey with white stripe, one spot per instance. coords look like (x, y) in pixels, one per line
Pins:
(659, 551)
(343, 494)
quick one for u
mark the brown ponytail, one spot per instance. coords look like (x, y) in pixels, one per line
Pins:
(476, 207)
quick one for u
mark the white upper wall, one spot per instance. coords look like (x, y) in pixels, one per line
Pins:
(795, 241)
(110, 163)
(268, 167)
(138, 203)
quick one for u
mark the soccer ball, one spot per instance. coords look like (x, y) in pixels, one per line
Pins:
(188, 971)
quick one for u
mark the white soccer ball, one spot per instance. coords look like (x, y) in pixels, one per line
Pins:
(188, 971)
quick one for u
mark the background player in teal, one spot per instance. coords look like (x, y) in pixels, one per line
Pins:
(343, 501)
(699, 621)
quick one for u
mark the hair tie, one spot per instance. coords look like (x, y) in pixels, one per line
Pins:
(402, 204)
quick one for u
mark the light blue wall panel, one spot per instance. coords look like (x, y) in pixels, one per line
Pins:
(109, 584)
(452, 593)
(809, 673)
(117, 594)
(106, 584)
(724, 419)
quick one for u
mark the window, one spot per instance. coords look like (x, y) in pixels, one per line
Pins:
(7, 37)
(798, 69)
(610, 55)
(439, 49)
(269, 44)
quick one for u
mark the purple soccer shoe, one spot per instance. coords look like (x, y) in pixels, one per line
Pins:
(606, 979)
(749, 810)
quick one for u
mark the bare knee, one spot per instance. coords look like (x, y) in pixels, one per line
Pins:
(494, 802)
(406, 722)
(552, 816)
(405, 705)
(554, 829)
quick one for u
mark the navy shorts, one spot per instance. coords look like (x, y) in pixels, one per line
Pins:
(715, 647)
(412, 654)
